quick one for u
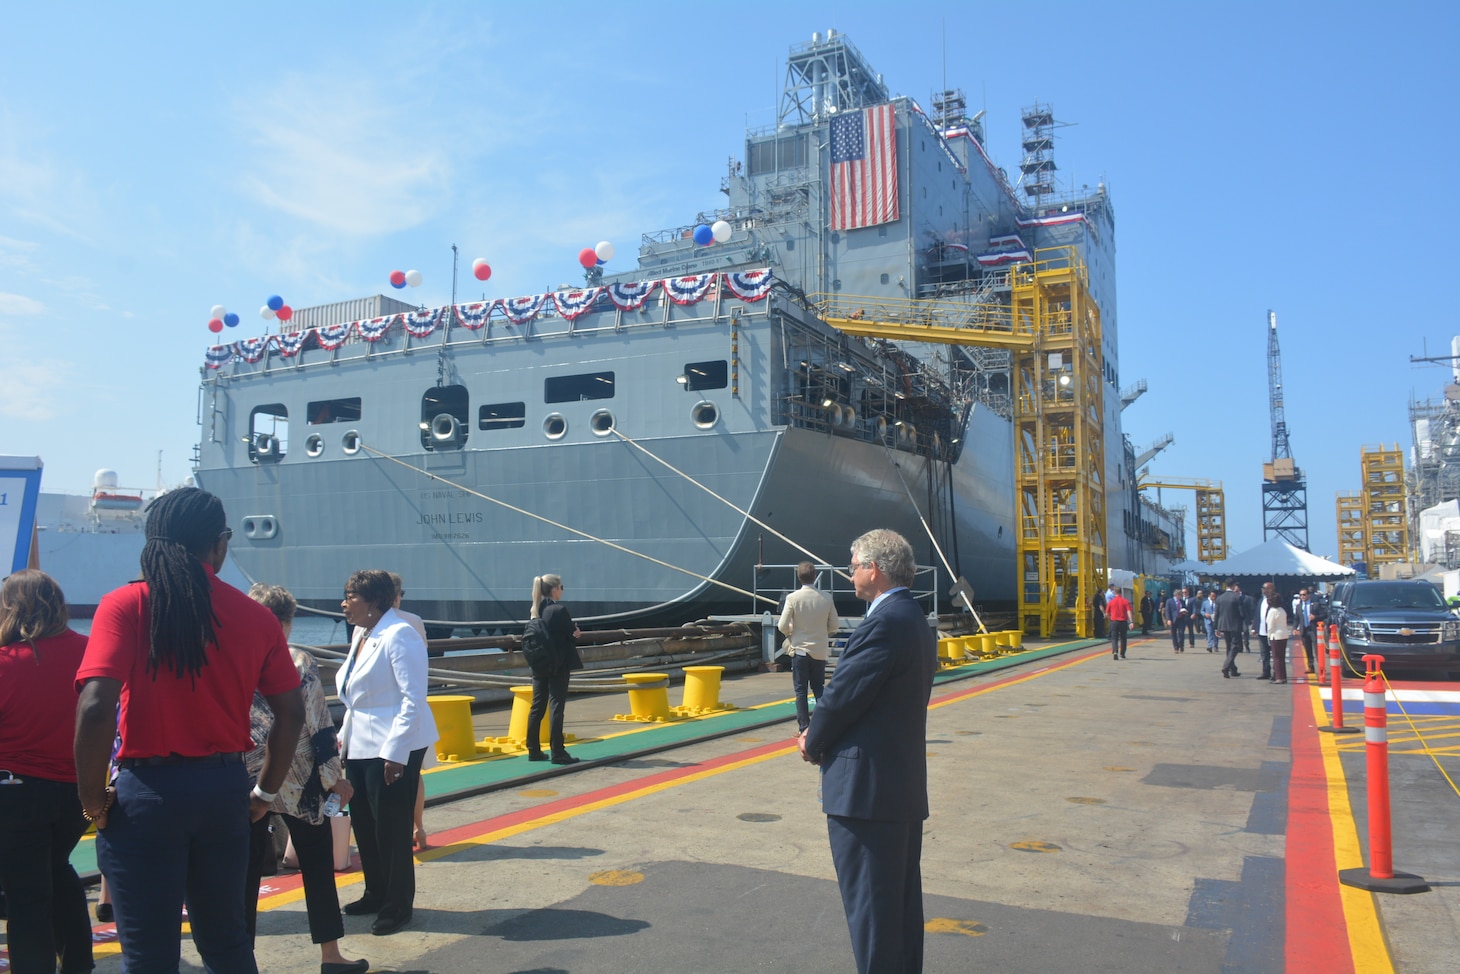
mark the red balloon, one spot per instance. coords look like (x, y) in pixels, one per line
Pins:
(482, 271)
(284, 313)
(216, 325)
(398, 278)
(588, 257)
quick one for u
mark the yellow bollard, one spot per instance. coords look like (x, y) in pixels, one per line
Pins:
(989, 644)
(949, 649)
(516, 739)
(453, 723)
(648, 697)
(1016, 640)
(701, 692)
(972, 648)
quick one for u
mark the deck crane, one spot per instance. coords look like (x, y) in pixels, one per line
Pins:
(1284, 491)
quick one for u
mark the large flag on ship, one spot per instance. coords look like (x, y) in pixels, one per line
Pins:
(864, 168)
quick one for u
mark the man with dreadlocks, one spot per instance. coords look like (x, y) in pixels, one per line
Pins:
(184, 653)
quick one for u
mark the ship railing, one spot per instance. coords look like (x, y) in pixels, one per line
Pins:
(778, 581)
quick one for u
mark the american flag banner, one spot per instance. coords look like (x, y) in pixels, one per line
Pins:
(864, 168)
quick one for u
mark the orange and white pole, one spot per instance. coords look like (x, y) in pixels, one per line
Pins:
(1335, 673)
(1380, 876)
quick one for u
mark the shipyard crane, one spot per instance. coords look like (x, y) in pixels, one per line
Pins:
(1284, 491)
(1211, 512)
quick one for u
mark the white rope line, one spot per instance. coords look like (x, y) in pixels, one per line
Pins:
(556, 524)
(913, 501)
(743, 513)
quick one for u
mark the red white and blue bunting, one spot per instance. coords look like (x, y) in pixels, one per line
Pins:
(218, 356)
(1008, 240)
(520, 311)
(1050, 219)
(374, 329)
(750, 286)
(422, 323)
(251, 349)
(575, 304)
(1005, 257)
(631, 296)
(474, 316)
(690, 289)
(332, 337)
(290, 343)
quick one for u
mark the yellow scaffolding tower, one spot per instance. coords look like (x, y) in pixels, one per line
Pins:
(1052, 326)
(1385, 520)
(1353, 534)
(1211, 514)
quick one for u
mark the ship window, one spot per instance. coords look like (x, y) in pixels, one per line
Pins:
(885, 279)
(791, 152)
(555, 426)
(576, 388)
(705, 375)
(333, 411)
(704, 414)
(760, 157)
(790, 243)
(313, 445)
(268, 433)
(601, 422)
(503, 416)
(444, 418)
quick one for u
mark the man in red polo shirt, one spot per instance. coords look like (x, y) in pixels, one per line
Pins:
(1118, 610)
(183, 653)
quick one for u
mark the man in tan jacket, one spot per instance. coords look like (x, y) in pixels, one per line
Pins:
(808, 621)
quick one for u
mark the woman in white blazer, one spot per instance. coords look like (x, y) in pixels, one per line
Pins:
(387, 728)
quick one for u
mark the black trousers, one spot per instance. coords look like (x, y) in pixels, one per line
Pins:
(1233, 639)
(547, 690)
(807, 672)
(315, 847)
(879, 871)
(1308, 648)
(1267, 658)
(384, 818)
(40, 823)
(1119, 630)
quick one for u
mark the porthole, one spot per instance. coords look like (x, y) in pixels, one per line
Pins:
(602, 422)
(350, 443)
(705, 414)
(314, 445)
(555, 426)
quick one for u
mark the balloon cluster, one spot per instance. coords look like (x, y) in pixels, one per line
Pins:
(276, 308)
(708, 234)
(219, 317)
(399, 279)
(594, 256)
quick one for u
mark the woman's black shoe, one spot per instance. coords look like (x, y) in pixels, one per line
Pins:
(353, 967)
(104, 913)
(565, 759)
(536, 756)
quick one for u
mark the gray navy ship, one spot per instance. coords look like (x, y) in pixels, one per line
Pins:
(654, 436)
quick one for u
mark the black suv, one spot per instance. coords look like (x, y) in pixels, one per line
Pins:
(1406, 622)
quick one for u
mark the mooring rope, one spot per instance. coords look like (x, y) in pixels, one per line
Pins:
(743, 513)
(564, 527)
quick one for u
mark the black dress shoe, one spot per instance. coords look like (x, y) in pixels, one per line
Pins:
(536, 756)
(364, 906)
(385, 926)
(1226, 675)
(565, 759)
(1235, 673)
(104, 913)
(353, 967)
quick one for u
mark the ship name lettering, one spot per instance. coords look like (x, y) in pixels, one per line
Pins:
(451, 517)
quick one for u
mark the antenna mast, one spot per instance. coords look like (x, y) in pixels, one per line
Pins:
(1284, 491)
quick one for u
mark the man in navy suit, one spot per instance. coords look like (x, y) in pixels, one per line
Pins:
(868, 734)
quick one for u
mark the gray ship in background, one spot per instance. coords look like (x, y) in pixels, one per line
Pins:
(655, 436)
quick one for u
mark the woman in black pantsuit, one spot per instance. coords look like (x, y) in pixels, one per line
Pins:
(550, 683)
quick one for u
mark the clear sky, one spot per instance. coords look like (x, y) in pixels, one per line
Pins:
(158, 159)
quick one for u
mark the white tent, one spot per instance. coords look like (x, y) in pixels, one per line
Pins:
(1276, 558)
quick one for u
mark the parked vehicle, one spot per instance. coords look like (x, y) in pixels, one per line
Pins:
(1406, 622)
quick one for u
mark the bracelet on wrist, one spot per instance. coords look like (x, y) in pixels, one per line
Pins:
(267, 797)
(108, 797)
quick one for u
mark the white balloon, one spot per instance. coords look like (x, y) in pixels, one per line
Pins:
(478, 262)
(266, 313)
(604, 250)
(413, 278)
(721, 230)
(218, 311)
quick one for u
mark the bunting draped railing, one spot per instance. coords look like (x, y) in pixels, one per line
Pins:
(748, 286)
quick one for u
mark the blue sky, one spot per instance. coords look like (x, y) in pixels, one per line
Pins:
(156, 160)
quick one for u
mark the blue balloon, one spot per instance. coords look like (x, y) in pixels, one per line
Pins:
(230, 319)
(601, 262)
(398, 284)
(275, 302)
(704, 236)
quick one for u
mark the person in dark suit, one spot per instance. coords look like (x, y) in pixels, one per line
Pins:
(868, 734)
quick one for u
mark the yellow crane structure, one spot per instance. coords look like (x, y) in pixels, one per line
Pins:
(1386, 522)
(1051, 325)
(1353, 529)
(1211, 513)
